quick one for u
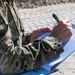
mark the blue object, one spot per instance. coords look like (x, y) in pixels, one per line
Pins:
(50, 66)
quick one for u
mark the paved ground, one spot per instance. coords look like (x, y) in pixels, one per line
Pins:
(42, 17)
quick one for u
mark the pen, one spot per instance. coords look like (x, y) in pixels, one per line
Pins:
(48, 33)
(55, 17)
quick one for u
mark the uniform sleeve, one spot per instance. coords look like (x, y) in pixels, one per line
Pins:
(33, 49)
(26, 57)
(46, 44)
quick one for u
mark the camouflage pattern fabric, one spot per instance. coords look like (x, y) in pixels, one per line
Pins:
(16, 56)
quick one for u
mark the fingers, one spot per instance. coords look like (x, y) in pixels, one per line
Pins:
(38, 32)
(63, 31)
(46, 29)
(67, 37)
(64, 36)
(65, 22)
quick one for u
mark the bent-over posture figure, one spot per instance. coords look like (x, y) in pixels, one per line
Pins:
(19, 51)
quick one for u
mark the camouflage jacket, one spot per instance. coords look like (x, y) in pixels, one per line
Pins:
(16, 56)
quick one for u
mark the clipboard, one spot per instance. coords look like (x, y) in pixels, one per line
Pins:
(51, 65)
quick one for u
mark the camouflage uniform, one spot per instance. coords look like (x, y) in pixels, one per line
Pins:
(16, 53)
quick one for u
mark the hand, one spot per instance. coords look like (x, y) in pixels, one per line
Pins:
(36, 33)
(63, 30)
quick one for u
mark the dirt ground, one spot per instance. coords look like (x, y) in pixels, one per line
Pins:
(42, 17)
(39, 3)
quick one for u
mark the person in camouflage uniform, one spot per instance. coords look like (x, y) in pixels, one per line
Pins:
(20, 52)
